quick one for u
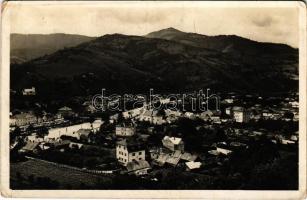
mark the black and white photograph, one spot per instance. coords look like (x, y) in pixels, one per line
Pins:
(154, 96)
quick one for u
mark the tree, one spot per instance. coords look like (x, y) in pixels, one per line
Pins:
(288, 115)
(43, 131)
(38, 112)
(105, 117)
(14, 134)
(161, 112)
(120, 118)
(30, 128)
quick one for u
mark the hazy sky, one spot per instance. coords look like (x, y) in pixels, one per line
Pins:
(262, 24)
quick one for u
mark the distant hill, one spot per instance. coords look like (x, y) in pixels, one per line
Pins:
(124, 63)
(26, 47)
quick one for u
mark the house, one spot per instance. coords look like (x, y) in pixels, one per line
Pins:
(138, 167)
(238, 145)
(24, 119)
(96, 125)
(30, 147)
(34, 138)
(158, 120)
(228, 101)
(294, 138)
(75, 145)
(44, 146)
(174, 158)
(55, 133)
(294, 104)
(188, 156)
(223, 150)
(160, 161)
(128, 150)
(152, 117)
(267, 114)
(171, 118)
(66, 111)
(173, 143)
(154, 153)
(113, 118)
(28, 91)
(60, 144)
(192, 165)
(175, 113)
(125, 130)
(133, 113)
(287, 142)
(84, 135)
(189, 115)
(165, 101)
(240, 114)
(228, 111)
(147, 115)
(90, 109)
(206, 115)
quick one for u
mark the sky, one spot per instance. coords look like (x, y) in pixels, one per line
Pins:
(265, 24)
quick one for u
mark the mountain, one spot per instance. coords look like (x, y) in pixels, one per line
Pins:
(231, 44)
(122, 63)
(26, 47)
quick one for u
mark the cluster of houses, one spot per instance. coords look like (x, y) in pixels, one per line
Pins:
(138, 160)
(78, 132)
(132, 154)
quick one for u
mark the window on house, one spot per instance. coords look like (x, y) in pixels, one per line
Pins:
(140, 153)
(140, 158)
(133, 154)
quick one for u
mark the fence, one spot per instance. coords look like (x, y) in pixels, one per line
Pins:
(101, 172)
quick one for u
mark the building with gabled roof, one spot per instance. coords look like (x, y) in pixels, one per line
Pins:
(138, 167)
(173, 143)
(188, 156)
(192, 165)
(125, 130)
(28, 91)
(30, 147)
(128, 150)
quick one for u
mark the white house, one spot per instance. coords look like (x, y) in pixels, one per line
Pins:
(192, 165)
(223, 151)
(133, 113)
(72, 130)
(189, 115)
(23, 119)
(152, 117)
(28, 91)
(128, 151)
(125, 130)
(240, 114)
(228, 111)
(173, 143)
(229, 101)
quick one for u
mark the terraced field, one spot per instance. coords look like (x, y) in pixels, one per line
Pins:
(38, 174)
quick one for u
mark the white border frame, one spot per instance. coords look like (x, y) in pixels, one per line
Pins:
(7, 7)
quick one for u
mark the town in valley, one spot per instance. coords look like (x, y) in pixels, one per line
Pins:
(249, 142)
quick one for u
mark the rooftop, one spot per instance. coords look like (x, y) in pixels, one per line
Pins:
(174, 140)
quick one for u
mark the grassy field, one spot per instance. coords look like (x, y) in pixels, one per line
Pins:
(37, 174)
